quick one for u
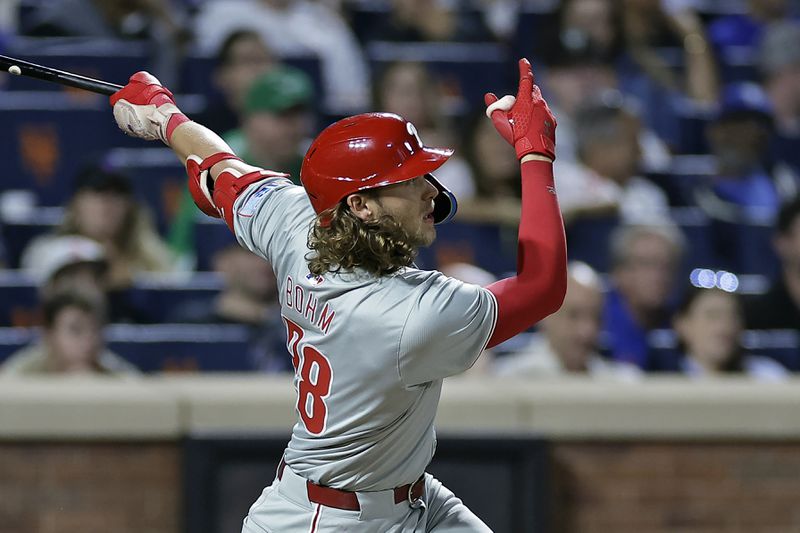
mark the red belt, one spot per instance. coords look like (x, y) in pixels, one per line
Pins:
(343, 499)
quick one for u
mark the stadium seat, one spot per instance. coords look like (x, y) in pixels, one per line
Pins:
(156, 296)
(488, 246)
(210, 236)
(20, 231)
(19, 299)
(781, 345)
(588, 241)
(182, 347)
(12, 339)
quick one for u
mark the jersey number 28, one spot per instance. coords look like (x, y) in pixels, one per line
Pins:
(314, 379)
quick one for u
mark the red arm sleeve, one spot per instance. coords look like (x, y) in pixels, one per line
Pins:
(539, 287)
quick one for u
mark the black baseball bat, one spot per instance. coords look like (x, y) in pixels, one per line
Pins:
(40, 72)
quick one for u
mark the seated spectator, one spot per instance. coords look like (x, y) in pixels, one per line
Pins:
(250, 298)
(276, 117)
(779, 307)
(577, 77)
(498, 191)
(296, 27)
(407, 89)
(570, 338)
(276, 121)
(241, 59)
(779, 63)
(738, 138)
(605, 178)
(79, 264)
(430, 20)
(645, 260)
(71, 343)
(104, 209)
(709, 326)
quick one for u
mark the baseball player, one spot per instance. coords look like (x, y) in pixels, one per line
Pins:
(370, 336)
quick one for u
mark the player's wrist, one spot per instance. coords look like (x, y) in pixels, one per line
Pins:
(536, 157)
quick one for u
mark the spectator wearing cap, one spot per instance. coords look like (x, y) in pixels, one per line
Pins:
(71, 342)
(276, 121)
(745, 188)
(605, 179)
(73, 263)
(104, 209)
(779, 63)
(779, 307)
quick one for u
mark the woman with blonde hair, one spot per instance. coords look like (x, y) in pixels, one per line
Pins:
(103, 208)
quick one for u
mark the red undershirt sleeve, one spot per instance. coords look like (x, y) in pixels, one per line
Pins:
(539, 287)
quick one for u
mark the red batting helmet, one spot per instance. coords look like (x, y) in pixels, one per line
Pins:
(367, 151)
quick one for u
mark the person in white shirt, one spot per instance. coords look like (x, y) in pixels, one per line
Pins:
(605, 178)
(296, 27)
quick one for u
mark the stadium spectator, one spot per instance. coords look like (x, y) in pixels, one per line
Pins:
(709, 325)
(431, 20)
(605, 178)
(569, 339)
(277, 119)
(71, 343)
(747, 189)
(779, 63)
(577, 77)
(104, 209)
(241, 59)
(498, 191)
(249, 297)
(78, 264)
(744, 188)
(292, 28)
(645, 260)
(407, 89)
(779, 307)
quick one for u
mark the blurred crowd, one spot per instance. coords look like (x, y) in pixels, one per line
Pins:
(677, 171)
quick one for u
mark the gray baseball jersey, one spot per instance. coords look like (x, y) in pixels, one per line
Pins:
(370, 353)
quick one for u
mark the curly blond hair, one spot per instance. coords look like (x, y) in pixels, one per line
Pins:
(340, 241)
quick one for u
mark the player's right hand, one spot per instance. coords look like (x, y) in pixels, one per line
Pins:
(144, 108)
(525, 121)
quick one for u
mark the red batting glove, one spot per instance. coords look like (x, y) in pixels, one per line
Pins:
(525, 122)
(146, 109)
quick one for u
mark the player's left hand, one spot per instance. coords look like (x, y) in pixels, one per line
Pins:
(146, 109)
(525, 121)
